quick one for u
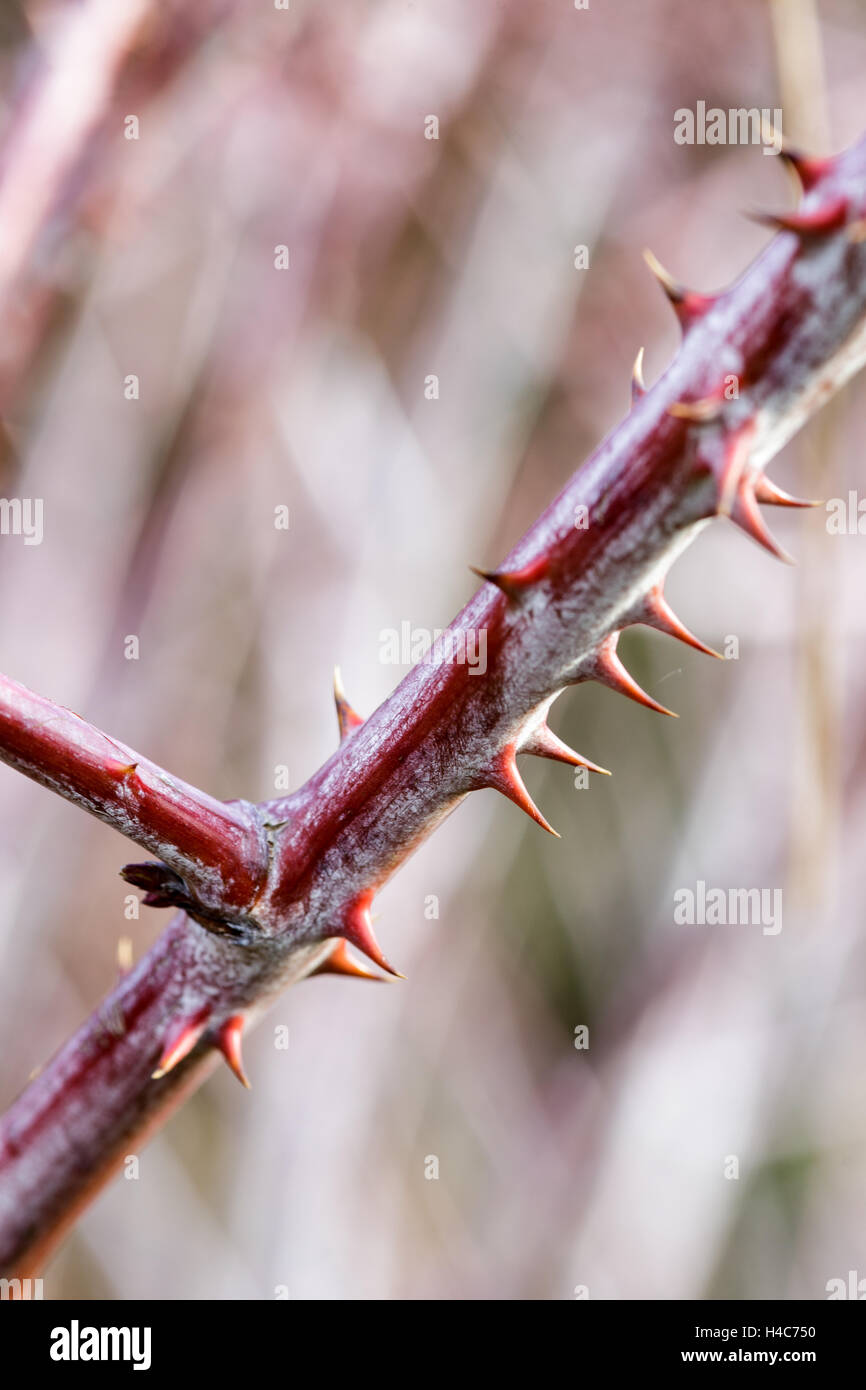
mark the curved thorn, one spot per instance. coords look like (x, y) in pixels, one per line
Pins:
(808, 169)
(358, 929)
(672, 288)
(342, 962)
(229, 1044)
(347, 719)
(505, 778)
(543, 743)
(820, 222)
(182, 1039)
(655, 611)
(515, 584)
(638, 385)
(766, 492)
(732, 466)
(688, 305)
(745, 514)
(607, 669)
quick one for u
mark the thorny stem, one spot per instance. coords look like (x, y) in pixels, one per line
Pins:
(788, 334)
(218, 848)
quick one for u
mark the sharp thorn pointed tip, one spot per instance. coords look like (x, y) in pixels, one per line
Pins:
(671, 287)
(607, 668)
(229, 1044)
(809, 169)
(687, 304)
(638, 385)
(763, 536)
(514, 584)
(358, 929)
(181, 1041)
(818, 223)
(656, 612)
(347, 719)
(542, 742)
(505, 778)
(746, 514)
(342, 962)
(766, 492)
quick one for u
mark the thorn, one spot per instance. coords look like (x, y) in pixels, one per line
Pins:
(766, 492)
(745, 514)
(543, 743)
(857, 231)
(607, 668)
(515, 583)
(638, 385)
(342, 962)
(674, 291)
(821, 222)
(124, 954)
(229, 1044)
(182, 1040)
(733, 465)
(688, 306)
(701, 412)
(505, 778)
(807, 168)
(358, 929)
(347, 719)
(655, 611)
(737, 498)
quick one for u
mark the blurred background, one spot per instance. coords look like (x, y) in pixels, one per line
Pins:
(711, 1140)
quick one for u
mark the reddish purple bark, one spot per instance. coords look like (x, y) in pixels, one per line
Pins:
(219, 848)
(790, 332)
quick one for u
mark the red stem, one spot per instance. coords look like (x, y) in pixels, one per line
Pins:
(790, 332)
(219, 848)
